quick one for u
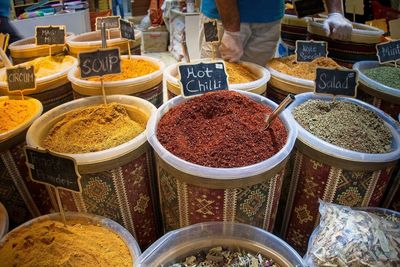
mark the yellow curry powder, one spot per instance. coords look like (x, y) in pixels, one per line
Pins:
(304, 70)
(93, 129)
(44, 66)
(238, 73)
(51, 243)
(130, 68)
(15, 112)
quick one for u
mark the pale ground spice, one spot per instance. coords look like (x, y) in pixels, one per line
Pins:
(92, 129)
(346, 125)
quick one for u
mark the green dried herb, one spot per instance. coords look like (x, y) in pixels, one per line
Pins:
(389, 76)
(345, 124)
(223, 257)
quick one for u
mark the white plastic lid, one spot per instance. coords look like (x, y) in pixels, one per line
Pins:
(361, 66)
(73, 75)
(221, 173)
(337, 151)
(171, 74)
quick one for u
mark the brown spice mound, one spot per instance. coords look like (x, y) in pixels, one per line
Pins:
(304, 70)
(92, 129)
(221, 129)
(346, 125)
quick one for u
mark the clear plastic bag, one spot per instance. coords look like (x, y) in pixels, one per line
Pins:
(348, 237)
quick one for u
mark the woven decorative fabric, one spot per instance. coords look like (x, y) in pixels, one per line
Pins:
(391, 108)
(23, 198)
(153, 95)
(347, 53)
(54, 97)
(183, 204)
(123, 194)
(392, 200)
(291, 33)
(275, 94)
(312, 180)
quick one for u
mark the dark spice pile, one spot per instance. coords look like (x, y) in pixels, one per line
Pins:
(221, 129)
(221, 257)
(346, 125)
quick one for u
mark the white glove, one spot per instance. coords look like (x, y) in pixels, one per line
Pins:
(231, 47)
(337, 27)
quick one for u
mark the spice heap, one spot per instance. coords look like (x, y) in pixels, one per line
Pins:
(93, 129)
(347, 237)
(345, 124)
(130, 68)
(220, 256)
(46, 66)
(304, 70)
(389, 76)
(15, 112)
(221, 129)
(51, 243)
(238, 73)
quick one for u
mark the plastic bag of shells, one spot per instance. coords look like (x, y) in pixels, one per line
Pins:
(348, 237)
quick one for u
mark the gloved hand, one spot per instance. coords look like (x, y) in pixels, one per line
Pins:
(231, 47)
(337, 27)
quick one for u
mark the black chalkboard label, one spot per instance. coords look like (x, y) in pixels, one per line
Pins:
(56, 170)
(211, 31)
(127, 30)
(308, 7)
(309, 50)
(336, 82)
(21, 78)
(111, 22)
(100, 62)
(50, 35)
(389, 51)
(200, 78)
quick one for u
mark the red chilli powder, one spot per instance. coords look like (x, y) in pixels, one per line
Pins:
(221, 129)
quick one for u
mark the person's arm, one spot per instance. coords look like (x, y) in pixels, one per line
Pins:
(229, 12)
(336, 25)
(231, 47)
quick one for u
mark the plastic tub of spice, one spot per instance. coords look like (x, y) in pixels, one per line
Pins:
(245, 76)
(379, 86)
(215, 161)
(360, 46)
(22, 197)
(193, 243)
(85, 240)
(3, 221)
(348, 160)
(52, 85)
(113, 156)
(90, 41)
(141, 76)
(291, 77)
(26, 50)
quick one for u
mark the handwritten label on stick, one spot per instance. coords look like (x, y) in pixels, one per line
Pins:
(127, 30)
(389, 51)
(308, 7)
(21, 78)
(56, 170)
(310, 50)
(99, 62)
(50, 35)
(211, 31)
(354, 7)
(336, 82)
(111, 22)
(200, 78)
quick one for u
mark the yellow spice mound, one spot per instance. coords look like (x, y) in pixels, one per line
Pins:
(130, 68)
(304, 70)
(15, 112)
(51, 243)
(93, 129)
(44, 66)
(239, 73)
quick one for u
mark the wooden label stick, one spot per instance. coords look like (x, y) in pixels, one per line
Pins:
(103, 90)
(60, 207)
